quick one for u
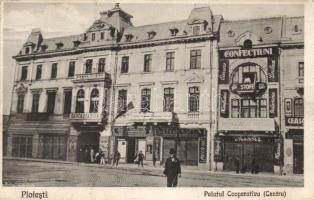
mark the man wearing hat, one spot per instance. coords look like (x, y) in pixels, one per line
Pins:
(172, 169)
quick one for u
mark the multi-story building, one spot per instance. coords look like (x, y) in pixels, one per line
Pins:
(259, 61)
(119, 87)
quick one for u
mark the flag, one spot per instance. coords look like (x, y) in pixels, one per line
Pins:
(123, 111)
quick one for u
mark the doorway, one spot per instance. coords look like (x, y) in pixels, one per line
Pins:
(298, 157)
(87, 141)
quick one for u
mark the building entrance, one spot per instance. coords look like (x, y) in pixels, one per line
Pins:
(298, 157)
(86, 142)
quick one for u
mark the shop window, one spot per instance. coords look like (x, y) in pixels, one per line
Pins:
(122, 100)
(145, 100)
(71, 71)
(168, 99)
(125, 64)
(298, 107)
(235, 108)
(94, 101)
(147, 62)
(51, 102)
(54, 70)
(38, 72)
(20, 103)
(195, 59)
(22, 146)
(67, 101)
(301, 69)
(24, 73)
(101, 65)
(170, 61)
(194, 95)
(80, 101)
(88, 66)
(35, 103)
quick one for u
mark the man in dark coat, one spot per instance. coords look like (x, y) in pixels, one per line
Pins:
(172, 169)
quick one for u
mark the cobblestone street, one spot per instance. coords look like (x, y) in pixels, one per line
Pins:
(45, 174)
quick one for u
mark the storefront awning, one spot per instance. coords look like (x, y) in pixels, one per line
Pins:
(246, 124)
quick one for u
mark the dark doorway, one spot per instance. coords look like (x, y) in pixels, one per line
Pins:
(130, 150)
(298, 158)
(87, 141)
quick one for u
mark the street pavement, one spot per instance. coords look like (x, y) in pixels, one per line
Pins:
(19, 172)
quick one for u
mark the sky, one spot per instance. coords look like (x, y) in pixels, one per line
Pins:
(61, 19)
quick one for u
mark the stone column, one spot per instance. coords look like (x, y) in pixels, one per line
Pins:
(288, 156)
(72, 144)
(35, 145)
(43, 101)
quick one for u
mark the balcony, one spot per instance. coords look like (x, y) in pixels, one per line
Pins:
(86, 117)
(92, 77)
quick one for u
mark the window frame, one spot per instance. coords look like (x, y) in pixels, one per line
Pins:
(195, 59)
(20, 103)
(94, 101)
(54, 70)
(145, 93)
(35, 103)
(170, 61)
(168, 102)
(24, 73)
(301, 69)
(101, 65)
(67, 102)
(93, 38)
(38, 72)
(88, 66)
(298, 105)
(71, 71)
(194, 99)
(122, 101)
(79, 101)
(125, 65)
(51, 102)
(196, 30)
(148, 63)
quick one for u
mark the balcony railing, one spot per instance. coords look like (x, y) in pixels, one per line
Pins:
(92, 77)
(193, 115)
(85, 117)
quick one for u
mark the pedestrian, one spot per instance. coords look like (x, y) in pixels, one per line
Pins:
(97, 156)
(92, 158)
(102, 158)
(172, 169)
(154, 159)
(140, 159)
(116, 158)
(237, 164)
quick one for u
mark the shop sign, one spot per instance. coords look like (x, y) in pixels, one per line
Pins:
(202, 150)
(248, 139)
(272, 103)
(218, 150)
(224, 103)
(223, 77)
(294, 121)
(272, 69)
(295, 134)
(247, 53)
(248, 88)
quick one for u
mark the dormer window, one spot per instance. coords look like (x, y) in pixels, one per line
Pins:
(196, 30)
(27, 50)
(128, 37)
(151, 34)
(76, 43)
(102, 35)
(247, 44)
(59, 45)
(296, 29)
(93, 36)
(173, 31)
(85, 36)
(44, 47)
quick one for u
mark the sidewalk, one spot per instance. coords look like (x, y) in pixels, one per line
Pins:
(149, 166)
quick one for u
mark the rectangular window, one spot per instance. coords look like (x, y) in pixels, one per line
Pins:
(298, 107)
(71, 71)
(20, 103)
(38, 72)
(168, 99)
(88, 66)
(54, 70)
(51, 102)
(147, 62)
(22, 146)
(35, 103)
(195, 59)
(194, 96)
(102, 35)
(93, 36)
(24, 73)
(145, 100)
(170, 61)
(301, 69)
(67, 101)
(125, 64)
(101, 65)
(122, 101)
(235, 108)
(196, 30)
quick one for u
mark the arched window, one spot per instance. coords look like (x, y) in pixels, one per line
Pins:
(248, 73)
(80, 101)
(247, 44)
(94, 101)
(298, 107)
